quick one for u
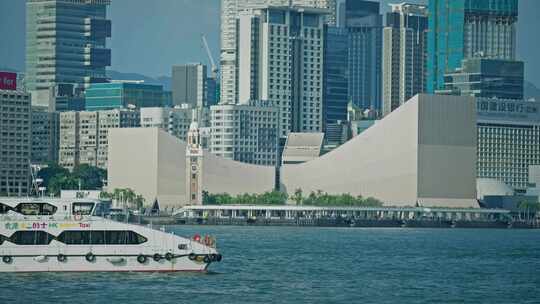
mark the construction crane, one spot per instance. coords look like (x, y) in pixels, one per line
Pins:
(215, 69)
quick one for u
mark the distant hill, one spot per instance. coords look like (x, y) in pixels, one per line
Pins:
(165, 81)
(531, 91)
(5, 69)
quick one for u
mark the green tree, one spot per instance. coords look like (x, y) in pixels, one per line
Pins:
(62, 182)
(51, 170)
(91, 177)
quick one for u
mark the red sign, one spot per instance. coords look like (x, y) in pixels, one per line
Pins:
(8, 81)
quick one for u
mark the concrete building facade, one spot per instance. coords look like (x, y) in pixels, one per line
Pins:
(247, 133)
(508, 140)
(404, 54)
(45, 135)
(65, 43)
(15, 142)
(230, 11)
(160, 170)
(84, 135)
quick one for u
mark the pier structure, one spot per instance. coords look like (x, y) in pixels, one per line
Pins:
(339, 216)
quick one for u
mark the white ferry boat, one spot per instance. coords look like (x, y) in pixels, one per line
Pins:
(42, 234)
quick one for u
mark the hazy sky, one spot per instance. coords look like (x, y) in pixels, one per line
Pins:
(150, 36)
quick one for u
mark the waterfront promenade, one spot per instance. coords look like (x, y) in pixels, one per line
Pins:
(350, 216)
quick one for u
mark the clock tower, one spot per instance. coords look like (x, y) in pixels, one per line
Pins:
(194, 163)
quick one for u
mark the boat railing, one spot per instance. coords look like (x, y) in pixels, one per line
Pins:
(57, 218)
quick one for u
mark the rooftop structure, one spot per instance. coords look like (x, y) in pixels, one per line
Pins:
(117, 95)
(302, 147)
(490, 78)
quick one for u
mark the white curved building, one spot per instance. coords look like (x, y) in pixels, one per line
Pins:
(424, 154)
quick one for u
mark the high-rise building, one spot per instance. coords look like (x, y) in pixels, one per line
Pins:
(45, 132)
(65, 43)
(190, 85)
(211, 90)
(463, 29)
(246, 132)
(84, 135)
(336, 76)
(364, 23)
(15, 142)
(281, 60)
(404, 59)
(118, 95)
(230, 10)
(490, 78)
(508, 140)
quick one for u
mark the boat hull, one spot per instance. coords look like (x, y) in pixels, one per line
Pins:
(101, 264)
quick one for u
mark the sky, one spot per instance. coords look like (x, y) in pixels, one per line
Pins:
(148, 37)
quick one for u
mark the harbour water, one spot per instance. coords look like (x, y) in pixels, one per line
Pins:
(319, 265)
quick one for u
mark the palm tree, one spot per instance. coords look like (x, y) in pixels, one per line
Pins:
(298, 196)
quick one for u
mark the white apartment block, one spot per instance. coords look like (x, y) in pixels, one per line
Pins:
(230, 11)
(246, 133)
(404, 54)
(84, 135)
(281, 61)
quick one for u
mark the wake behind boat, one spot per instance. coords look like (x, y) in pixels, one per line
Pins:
(48, 234)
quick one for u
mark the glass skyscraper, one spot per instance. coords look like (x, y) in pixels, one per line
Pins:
(364, 24)
(462, 29)
(335, 75)
(65, 43)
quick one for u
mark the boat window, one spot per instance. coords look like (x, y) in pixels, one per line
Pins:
(35, 209)
(101, 237)
(3, 238)
(4, 209)
(83, 208)
(36, 237)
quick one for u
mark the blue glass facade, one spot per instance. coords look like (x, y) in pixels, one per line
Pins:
(462, 29)
(335, 75)
(364, 24)
(107, 96)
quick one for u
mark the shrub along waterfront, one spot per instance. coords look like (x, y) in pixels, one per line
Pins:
(318, 198)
